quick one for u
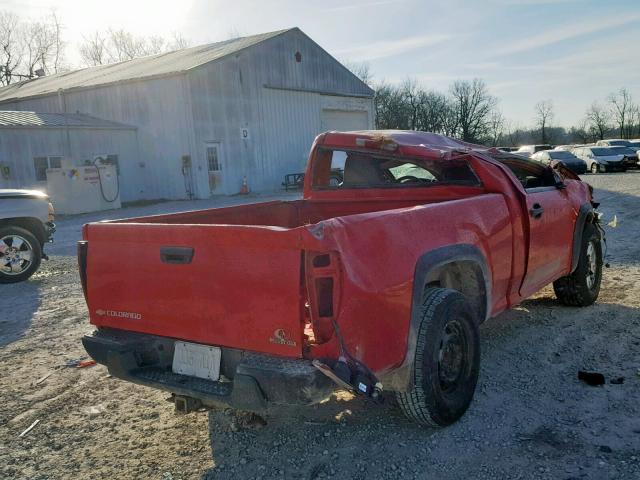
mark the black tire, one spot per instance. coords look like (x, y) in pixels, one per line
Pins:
(442, 392)
(582, 287)
(32, 244)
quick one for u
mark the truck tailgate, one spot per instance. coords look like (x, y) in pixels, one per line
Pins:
(239, 288)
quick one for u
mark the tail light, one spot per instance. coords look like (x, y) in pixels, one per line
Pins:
(323, 289)
(51, 213)
(83, 247)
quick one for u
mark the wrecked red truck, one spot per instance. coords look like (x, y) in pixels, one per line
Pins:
(375, 283)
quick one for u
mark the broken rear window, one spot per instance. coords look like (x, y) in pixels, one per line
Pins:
(343, 169)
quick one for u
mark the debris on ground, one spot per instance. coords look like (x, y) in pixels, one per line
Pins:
(591, 378)
(94, 410)
(43, 378)
(29, 428)
(86, 363)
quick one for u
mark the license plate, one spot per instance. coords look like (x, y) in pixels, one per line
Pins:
(195, 360)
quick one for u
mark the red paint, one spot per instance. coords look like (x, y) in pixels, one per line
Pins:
(253, 271)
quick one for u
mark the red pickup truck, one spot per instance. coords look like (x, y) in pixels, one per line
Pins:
(376, 282)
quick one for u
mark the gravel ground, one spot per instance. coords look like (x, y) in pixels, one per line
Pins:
(531, 417)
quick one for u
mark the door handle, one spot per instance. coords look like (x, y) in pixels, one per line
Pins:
(176, 255)
(536, 211)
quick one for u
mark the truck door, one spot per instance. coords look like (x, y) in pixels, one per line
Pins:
(551, 218)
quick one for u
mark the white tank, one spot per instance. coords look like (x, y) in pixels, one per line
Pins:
(83, 189)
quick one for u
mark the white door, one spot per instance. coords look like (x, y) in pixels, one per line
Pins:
(213, 154)
(344, 120)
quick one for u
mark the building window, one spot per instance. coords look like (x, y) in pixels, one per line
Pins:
(40, 164)
(213, 160)
(55, 162)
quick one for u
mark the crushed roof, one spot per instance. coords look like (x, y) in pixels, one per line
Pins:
(10, 119)
(415, 138)
(154, 65)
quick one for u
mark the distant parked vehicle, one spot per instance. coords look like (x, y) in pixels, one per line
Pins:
(631, 155)
(568, 159)
(600, 159)
(635, 144)
(566, 148)
(531, 149)
(613, 142)
(26, 224)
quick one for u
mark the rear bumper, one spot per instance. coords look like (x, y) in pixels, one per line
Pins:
(254, 381)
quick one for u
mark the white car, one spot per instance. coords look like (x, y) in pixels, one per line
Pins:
(600, 159)
(26, 224)
(529, 150)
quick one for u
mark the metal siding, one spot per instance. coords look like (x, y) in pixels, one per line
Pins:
(19, 146)
(175, 116)
(156, 107)
(283, 122)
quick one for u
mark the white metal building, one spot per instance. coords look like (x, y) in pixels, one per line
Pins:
(201, 119)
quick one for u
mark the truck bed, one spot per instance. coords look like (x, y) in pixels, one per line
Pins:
(232, 277)
(211, 276)
(282, 214)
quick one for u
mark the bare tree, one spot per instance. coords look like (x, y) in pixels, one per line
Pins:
(362, 70)
(93, 50)
(412, 99)
(622, 111)
(473, 106)
(178, 42)
(27, 47)
(496, 127)
(121, 45)
(40, 47)
(544, 116)
(598, 120)
(391, 109)
(60, 44)
(433, 110)
(580, 132)
(635, 121)
(11, 50)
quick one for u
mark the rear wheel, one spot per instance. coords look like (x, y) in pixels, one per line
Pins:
(20, 254)
(582, 287)
(447, 360)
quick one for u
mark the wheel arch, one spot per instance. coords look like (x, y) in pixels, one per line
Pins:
(31, 224)
(460, 267)
(586, 214)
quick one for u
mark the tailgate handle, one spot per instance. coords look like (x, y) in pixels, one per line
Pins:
(177, 255)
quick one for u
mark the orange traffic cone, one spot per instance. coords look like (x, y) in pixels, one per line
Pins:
(244, 189)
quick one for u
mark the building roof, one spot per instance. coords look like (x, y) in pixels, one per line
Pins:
(16, 119)
(152, 66)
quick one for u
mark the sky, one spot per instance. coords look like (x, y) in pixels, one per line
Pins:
(572, 52)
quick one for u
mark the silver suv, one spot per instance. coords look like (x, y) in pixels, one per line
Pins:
(26, 224)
